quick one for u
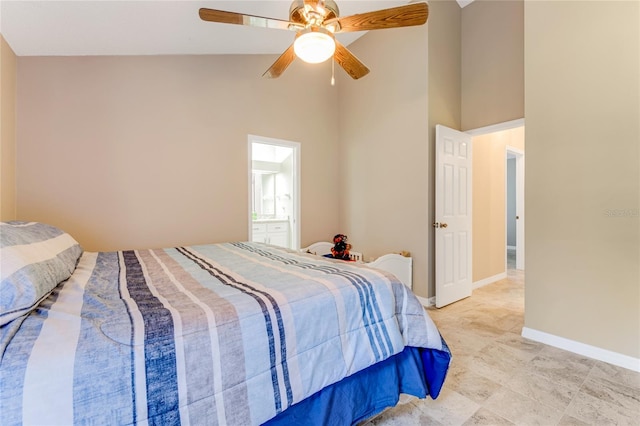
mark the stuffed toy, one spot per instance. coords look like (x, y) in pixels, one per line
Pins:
(341, 248)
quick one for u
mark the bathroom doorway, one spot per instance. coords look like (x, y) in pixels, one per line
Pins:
(274, 188)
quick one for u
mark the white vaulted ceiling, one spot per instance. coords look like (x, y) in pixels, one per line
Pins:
(151, 27)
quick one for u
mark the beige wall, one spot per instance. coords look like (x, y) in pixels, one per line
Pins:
(492, 62)
(387, 130)
(444, 52)
(75, 102)
(583, 172)
(126, 152)
(489, 205)
(384, 155)
(7, 132)
(444, 97)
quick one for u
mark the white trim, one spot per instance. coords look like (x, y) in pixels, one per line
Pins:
(496, 127)
(594, 352)
(427, 302)
(520, 188)
(489, 280)
(514, 150)
(463, 3)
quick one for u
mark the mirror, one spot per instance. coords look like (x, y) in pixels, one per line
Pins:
(264, 195)
(271, 181)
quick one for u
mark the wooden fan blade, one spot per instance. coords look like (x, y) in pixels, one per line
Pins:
(281, 63)
(349, 62)
(224, 17)
(395, 17)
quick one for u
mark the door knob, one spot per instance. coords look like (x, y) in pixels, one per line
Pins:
(443, 225)
(439, 225)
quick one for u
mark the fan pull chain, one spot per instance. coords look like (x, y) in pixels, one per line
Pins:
(333, 72)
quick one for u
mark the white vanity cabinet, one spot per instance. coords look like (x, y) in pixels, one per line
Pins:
(274, 232)
(259, 232)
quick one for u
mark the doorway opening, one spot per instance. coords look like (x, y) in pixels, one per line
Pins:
(493, 219)
(274, 188)
(514, 196)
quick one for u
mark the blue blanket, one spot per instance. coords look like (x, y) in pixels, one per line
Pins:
(230, 334)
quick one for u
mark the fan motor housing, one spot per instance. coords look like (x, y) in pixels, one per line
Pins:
(296, 11)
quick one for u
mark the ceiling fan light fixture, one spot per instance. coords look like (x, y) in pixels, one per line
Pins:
(316, 22)
(314, 45)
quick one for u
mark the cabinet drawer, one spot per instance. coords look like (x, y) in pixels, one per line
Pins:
(259, 227)
(277, 227)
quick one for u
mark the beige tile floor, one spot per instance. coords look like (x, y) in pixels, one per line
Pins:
(499, 378)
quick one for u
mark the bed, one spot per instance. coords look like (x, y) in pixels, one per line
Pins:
(230, 334)
(399, 264)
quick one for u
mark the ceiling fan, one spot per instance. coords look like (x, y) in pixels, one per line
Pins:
(316, 22)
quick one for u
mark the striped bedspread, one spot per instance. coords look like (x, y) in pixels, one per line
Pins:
(216, 334)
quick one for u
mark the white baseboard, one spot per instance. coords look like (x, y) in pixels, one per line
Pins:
(427, 302)
(489, 280)
(594, 352)
(432, 300)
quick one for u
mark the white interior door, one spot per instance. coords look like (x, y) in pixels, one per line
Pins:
(453, 215)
